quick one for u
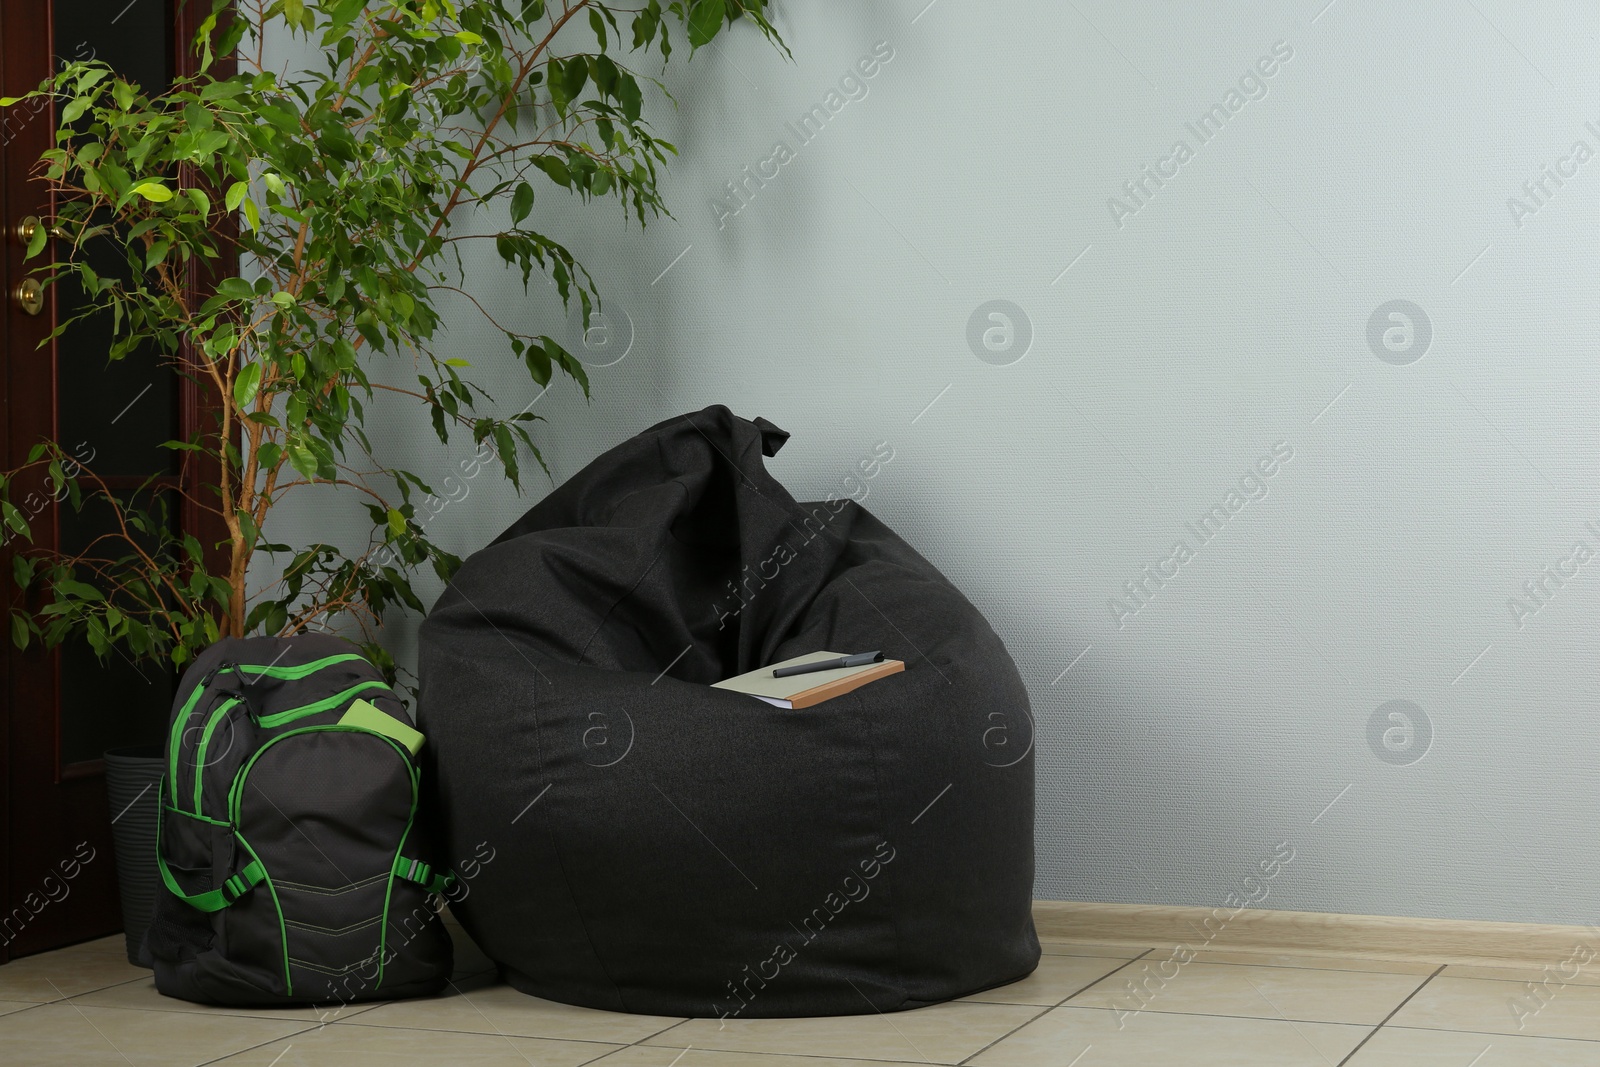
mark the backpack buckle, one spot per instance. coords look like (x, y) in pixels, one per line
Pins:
(236, 887)
(423, 874)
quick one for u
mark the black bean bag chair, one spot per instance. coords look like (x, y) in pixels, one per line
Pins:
(640, 842)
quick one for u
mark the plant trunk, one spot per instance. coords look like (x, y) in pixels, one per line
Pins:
(233, 625)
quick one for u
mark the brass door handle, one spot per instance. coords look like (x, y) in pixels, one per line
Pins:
(24, 230)
(29, 296)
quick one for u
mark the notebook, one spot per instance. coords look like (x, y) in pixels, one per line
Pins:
(804, 690)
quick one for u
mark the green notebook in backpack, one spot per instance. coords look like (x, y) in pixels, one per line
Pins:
(293, 866)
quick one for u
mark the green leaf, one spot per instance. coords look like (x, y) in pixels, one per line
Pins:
(19, 630)
(705, 22)
(303, 460)
(555, 168)
(246, 384)
(235, 289)
(14, 519)
(397, 523)
(75, 588)
(236, 193)
(153, 191)
(573, 75)
(628, 93)
(521, 202)
(507, 449)
(41, 234)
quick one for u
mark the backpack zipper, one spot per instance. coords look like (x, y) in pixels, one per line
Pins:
(270, 722)
(236, 794)
(175, 742)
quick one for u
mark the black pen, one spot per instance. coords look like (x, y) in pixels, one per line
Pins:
(857, 660)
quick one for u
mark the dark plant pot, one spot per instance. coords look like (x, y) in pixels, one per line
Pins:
(133, 788)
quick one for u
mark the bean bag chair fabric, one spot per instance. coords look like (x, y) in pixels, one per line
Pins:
(647, 844)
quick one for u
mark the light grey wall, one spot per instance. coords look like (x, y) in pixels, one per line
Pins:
(1159, 359)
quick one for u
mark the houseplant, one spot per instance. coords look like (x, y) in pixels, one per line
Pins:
(346, 185)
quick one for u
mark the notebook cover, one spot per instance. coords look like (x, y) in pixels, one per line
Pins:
(806, 690)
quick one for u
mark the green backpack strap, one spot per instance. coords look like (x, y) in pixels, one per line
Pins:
(422, 874)
(231, 890)
(252, 875)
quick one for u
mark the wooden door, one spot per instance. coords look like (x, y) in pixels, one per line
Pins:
(59, 712)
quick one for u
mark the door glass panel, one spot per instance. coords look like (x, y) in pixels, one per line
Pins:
(112, 415)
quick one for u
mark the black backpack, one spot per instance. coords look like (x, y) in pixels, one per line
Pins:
(289, 849)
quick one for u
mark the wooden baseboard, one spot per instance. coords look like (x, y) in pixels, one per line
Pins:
(1252, 930)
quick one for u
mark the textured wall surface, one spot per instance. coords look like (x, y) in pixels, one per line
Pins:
(1237, 360)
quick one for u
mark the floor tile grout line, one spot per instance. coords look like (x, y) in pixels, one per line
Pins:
(462, 993)
(1292, 967)
(1492, 1033)
(264, 1014)
(665, 1029)
(1297, 967)
(99, 988)
(804, 1055)
(1029, 1021)
(1103, 977)
(1362, 1043)
(609, 1052)
(618, 1044)
(800, 1056)
(642, 1042)
(217, 1011)
(262, 1044)
(1592, 983)
(24, 1011)
(1589, 983)
(1219, 1015)
(1296, 1026)
(1046, 1011)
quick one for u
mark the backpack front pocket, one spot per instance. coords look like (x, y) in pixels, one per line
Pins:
(325, 810)
(195, 857)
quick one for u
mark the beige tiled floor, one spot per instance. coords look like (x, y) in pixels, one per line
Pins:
(1088, 1005)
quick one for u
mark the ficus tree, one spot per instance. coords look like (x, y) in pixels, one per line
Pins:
(342, 186)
